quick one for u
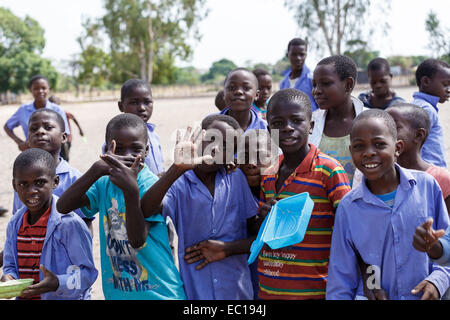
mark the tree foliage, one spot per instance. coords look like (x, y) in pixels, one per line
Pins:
(334, 23)
(359, 52)
(21, 44)
(146, 36)
(439, 37)
(218, 71)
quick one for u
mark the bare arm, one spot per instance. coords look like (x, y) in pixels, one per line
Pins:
(151, 200)
(75, 196)
(23, 145)
(78, 125)
(185, 158)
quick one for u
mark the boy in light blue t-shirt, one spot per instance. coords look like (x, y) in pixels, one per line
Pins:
(136, 258)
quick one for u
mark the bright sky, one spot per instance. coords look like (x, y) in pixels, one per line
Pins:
(239, 30)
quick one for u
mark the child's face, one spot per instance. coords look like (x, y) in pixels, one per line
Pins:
(240, 90)
(130, 142)
(373, 148)
(213, 147)
(265, 87)
(439, 84)
(380, 82)
(34, 186)
(39, 90)
(329, 90)
(297, 56)
(404, 130)
(294, 125)
(139, 101)
(44, 132)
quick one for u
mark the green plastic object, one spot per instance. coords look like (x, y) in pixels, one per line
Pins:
(13, 288)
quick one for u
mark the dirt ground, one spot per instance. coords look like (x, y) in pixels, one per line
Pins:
(168, 115)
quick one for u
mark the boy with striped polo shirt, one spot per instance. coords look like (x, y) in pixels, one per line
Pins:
(299, 272)
(53, 249)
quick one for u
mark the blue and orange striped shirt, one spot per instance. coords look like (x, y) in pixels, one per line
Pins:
(300, 271)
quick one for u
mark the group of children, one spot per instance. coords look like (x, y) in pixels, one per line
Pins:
(374, 168)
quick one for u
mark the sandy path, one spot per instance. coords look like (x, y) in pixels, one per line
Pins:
(169, 114)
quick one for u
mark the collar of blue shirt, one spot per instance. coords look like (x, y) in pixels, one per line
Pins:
(433, 100)
(151, 126)
(31, 107)
(255, 123)
(407, 181)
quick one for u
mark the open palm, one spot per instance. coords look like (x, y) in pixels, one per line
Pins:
(186, 155)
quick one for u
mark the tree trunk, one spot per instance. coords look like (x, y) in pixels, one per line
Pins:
(142, 60)
(321, 16)
(150, 44)
(338, 27)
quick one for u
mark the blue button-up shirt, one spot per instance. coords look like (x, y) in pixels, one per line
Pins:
(304, 84)
(445, 241)
(23, 114)
(256, 122)
(433, 150)
(154, 159)
(383, 237)
(198, 216)
(67, 246)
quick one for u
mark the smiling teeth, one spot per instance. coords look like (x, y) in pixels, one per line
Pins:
(370, 166)
(33, 202)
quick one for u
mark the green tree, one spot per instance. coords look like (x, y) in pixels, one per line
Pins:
(360, 54)
(336, 22)
(218, 70)
(187, 75)
(145, 36)
(439, 37)
(93, 64)
(21, 44)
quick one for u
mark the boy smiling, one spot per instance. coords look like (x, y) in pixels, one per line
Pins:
(38, 235)
(376, 221)
(302, 168)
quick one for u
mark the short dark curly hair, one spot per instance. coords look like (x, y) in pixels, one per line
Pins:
(208, 120)
(377, 114)
(125, 120)
(288, 96)
(428, 68)
(297, 42)
(378, 64)
(345, 66)
(35, 156)
(416, 116)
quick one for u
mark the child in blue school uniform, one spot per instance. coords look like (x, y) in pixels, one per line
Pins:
(265, 91)
(40, 89)
(240, 91)
(433, 80)
(136, 259)
(381, 96)
(136, 98)
(376, 221)
(46, 131)
(62, 264)
(298, 76)
(212, 212)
